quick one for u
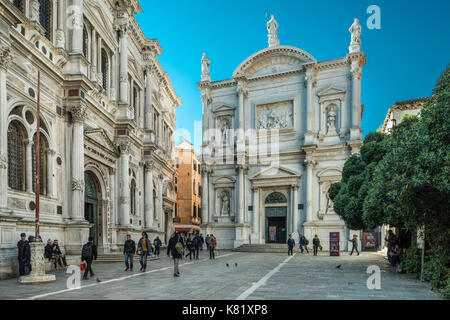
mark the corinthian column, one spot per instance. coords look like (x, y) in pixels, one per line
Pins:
(295, 217)
(124, 198)
(124, 63)
(310, 116)
(148, 194)
(148, 98)
(78, 117)
(255, 218)
(355, 132)
(93, 55)
(205, 195)
(241, 196)
(309, 186)
(4, 61)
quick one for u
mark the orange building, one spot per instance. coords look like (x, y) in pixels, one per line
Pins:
(189, 189)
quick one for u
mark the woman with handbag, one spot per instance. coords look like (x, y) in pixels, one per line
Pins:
(144, 247)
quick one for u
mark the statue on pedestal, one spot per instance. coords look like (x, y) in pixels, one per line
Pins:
(355, 30)
(331, 122)
(205, 68)
(272, 26)
(225, 204)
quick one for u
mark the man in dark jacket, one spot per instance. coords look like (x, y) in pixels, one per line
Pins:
(24, 255)
(157, 244)
(88, 254)
(48, 253)
(316, 244)
(189, 246)
(291, 244)
(129, 249)
(303, 243)
(144, 248)
(171, 249)
(202, 241)
(196, 243)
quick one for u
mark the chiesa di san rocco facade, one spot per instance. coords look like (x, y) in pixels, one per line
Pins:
(309, 112)
(107, 124)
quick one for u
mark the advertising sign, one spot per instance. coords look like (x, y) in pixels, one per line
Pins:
(334, 243)
(272, 233)
(369, 240)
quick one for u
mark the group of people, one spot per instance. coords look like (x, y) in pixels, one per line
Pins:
(53, 253)
(303, 243)
(144, 249)
(396, 255)
(179, 244)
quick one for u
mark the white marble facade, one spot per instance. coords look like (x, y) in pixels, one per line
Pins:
(312, 110)
(107, 123)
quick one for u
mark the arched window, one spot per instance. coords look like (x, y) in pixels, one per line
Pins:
(18, 4)
(85, 43)
(133, 196)
(16, 156)
(105, 68)
(276, 197)
(43, 147)
(45, 16)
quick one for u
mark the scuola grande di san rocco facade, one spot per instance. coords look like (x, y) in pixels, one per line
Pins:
(107, 123)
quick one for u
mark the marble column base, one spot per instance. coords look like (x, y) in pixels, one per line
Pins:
(37, 274)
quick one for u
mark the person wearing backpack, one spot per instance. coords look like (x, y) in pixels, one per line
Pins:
(212, 246)
(207, 241)
(303, 243)
(157, 244)
(176, 248)
(88, 254)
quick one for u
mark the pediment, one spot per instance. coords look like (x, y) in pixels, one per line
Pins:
(272, 61)
(224, 108)
(330, 174)
(331, 91)
(101, 139)
(275, 172)
(221, 180)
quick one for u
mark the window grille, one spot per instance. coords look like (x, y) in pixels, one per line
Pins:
(16, 156)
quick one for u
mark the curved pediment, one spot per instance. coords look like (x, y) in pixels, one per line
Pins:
(273, 60)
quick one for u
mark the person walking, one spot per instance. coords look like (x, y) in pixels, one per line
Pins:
(157, 244)
(197, 243)
(354, 242)
(212, 246)
(24, 255)
(202, 241)
(129, 249)
(316, 244)
(88, 254)
(189, 247)
(303, 243)
(291, 244)
(176, 249)
(207, 241)
(144, 249)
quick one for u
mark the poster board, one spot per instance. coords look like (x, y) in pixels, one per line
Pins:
(272, 233)
(370, 240)
(334, 244)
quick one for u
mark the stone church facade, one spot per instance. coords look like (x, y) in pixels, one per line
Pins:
(275, 137)
(107, 125)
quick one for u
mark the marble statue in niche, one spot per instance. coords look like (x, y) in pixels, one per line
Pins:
(331, 122)
(225, 210)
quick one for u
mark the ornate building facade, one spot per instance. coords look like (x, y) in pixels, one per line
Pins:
(275, 137)
(189, 189)
(107, 122)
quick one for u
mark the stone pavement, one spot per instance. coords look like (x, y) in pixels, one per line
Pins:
(256, 276)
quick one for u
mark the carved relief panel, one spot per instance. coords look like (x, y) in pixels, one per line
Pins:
(277, 115)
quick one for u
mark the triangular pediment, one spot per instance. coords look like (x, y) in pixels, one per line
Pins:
(101, 139)
(275, 172)
(224, 108)
(330, 91)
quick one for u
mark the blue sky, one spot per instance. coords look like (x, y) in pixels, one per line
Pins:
(404, 58)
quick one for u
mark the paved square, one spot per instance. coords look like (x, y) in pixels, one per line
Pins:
(256, 276)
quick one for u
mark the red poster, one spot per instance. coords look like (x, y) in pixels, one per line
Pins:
(272, 233)
(369, 240)
(334, 243)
